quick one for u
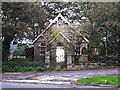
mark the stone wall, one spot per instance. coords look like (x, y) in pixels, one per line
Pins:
(82, 66)
(47, 59)
(83, 58)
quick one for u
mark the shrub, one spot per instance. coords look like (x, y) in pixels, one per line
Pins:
(105, 59)
(19, 51)
(18, 65)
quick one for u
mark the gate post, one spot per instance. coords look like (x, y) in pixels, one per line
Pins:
(47, 59)
(69, 61)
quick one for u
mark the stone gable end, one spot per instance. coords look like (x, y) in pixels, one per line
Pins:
(59, 35)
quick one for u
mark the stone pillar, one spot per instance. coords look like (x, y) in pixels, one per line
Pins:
(47, 58)
(69, 61)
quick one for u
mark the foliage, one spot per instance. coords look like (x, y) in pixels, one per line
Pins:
(74, 11)
(20, 20)
(20, 65)
(55, 33)
(108, 80)
(22, 69)
(104, 33)
(76, 63)
(19, 51)
(19, 17)
(105, 59)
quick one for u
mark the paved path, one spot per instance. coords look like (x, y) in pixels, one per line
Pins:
(56, 77)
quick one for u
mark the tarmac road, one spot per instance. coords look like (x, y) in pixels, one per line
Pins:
(52, 79)
(28, 85)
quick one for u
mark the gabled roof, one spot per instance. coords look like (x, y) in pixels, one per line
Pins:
(54, 21)
(57, 36)
(85, 39)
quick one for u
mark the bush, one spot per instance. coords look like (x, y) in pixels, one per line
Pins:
(19, 51)
(23, 69)
(18, 65)
(105, 59)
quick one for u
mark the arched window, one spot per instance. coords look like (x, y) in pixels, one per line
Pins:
(42, 44)
(60, 44)
(84, 50)
(42, 48)
(60, 23)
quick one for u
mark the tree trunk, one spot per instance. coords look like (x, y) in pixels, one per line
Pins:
(106, 50)
(6, 47)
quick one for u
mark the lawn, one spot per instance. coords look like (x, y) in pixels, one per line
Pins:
(107, 80)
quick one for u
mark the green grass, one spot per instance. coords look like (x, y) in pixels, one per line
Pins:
(107, 80)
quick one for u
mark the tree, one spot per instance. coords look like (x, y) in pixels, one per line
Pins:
(105, 27)
(20, 20)
(19, 51)
(73, 11)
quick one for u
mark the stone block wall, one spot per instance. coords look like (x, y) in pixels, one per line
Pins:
(83, 58)
(83, 66)
(47, 59)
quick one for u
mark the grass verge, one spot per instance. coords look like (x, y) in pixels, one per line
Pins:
(105, 80)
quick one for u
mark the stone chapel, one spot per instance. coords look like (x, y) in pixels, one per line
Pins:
(60, 44)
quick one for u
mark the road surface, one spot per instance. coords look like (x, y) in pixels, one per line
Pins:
(27, 85)
(52, 79)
